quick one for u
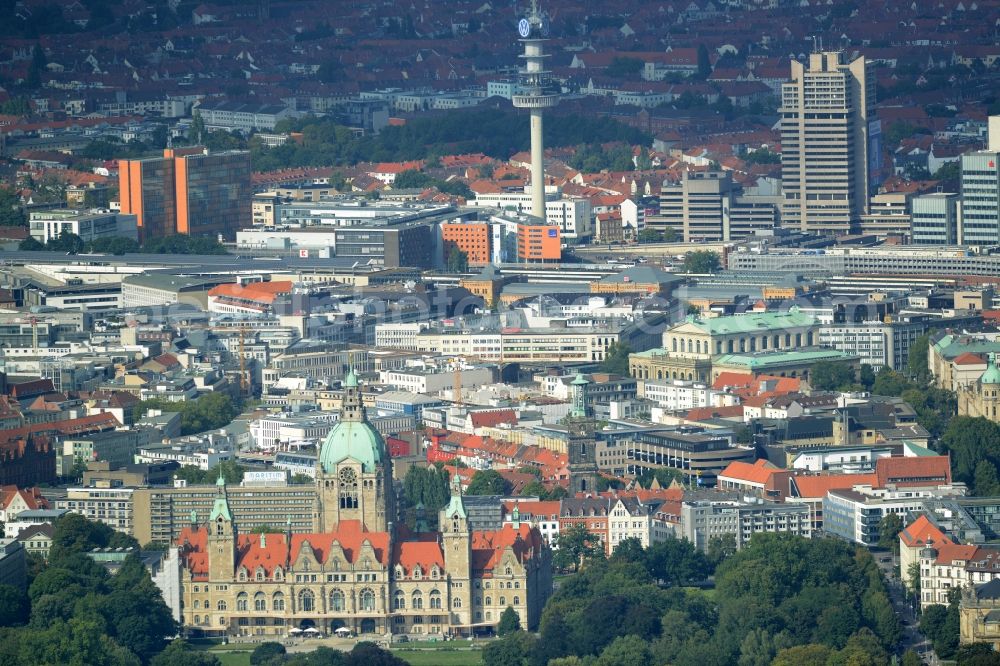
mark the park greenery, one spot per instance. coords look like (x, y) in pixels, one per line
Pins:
(494, 132)
(208, 412)
(780, 600)
(426, 490)
(75, 612)
(701, 262)
(616, 359)
(488, 482)
(362, 654)
(174, 244)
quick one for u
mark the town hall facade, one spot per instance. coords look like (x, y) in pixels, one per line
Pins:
(360, 569)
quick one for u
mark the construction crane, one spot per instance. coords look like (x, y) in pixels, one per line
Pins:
(244, 379)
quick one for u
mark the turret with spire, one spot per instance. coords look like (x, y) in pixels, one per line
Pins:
(222, 534)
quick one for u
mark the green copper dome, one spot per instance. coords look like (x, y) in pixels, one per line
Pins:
(352, 439)
(992, 374)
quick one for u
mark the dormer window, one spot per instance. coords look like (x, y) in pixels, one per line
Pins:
(279, 575)
(417, 573)
(259, 574)
(242, 575)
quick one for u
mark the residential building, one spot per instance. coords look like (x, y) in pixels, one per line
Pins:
(703, 520)
(37, 540)
(89, 225)
(111, 506)
(187, 191)
(827, 120)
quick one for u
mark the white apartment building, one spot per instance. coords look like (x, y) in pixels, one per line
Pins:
(111, 506)
(676, 395)
(47, 225)
(631, 519)
(573, 216)
(399, 336)
(431, 381)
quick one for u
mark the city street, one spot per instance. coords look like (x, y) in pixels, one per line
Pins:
(912, 638)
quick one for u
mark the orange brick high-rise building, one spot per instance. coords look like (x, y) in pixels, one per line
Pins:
(187, 191)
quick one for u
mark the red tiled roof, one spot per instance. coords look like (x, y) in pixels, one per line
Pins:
(818, 486)
(922, 532)
(968, 358)
(900, 471)
(489, 546)
(32, 497)
(264, 292)
(758, 472)
(492, 418)
(949, 552)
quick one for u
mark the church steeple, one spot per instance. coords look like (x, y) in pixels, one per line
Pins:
(352, 409)
(222, 535)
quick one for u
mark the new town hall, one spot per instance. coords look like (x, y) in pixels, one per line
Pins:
(359, 569)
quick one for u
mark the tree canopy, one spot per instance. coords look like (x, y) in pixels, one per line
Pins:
(701, 261)
(488, 482)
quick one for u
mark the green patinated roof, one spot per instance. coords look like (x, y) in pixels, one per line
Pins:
(751, 323)
(356, 440)
(918, 451)
(780, 358)
(951, 346)
(351, 380)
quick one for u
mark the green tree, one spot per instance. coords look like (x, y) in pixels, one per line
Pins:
(112, 245)
(180, 653)
(888, 532)
(14, 606)
(29, 244)
(509, 622)
(624, 67)
(11, 211)
(701, 261)
(616, 359)
(804, 655)
(534, 489)
(458, 261)
(197, 131)
(649, 235)
(625, 651)
(575, 545)
(67, 241)
(830, 376)
(704, 63)
(513, 650)
(911, 658)
(487, 482)
(266, 652)
(916, 361)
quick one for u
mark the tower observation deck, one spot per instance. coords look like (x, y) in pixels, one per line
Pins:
(536, 92)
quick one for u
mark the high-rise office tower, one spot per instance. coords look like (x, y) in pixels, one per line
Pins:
(827, 120)
(187, 191)
(981, 191)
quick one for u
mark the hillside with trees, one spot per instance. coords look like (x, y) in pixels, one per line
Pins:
(782, 599)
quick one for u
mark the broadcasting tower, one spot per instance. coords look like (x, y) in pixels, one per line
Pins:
(535, 93)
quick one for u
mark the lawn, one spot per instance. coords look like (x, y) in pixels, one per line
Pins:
(439, 657)
(232, 658)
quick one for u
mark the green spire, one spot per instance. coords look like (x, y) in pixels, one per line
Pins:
(221, 505)
(456, 507)
(351, 380)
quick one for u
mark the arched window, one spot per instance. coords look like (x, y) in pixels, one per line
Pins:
(488, 602)
(337, 601)
(417, 600)
(221, 605)
(435, 599)
(241, 601)
(399, 600)
(259, 602)
(399, 574)
(417, 573)
(279, 575)
(307, 601)
(258, 575)
(348, 489)
(517, 601)
(503, 601)
(197, 619)
(242, 575)
(197, 604)
(508, 571)
(367, 599)
(278, 601)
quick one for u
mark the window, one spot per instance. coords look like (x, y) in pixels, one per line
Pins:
(259, 602)
(259, 574)
(399, 600)
(417, 600)
(278, 602)
(279, 575)
(435, 599)
(337, 601)
(241, 601)
(307, 601)
(242, 575)
(197, 604)
(456, 603)
(489, 602)
(367, 599)
(503, 601)
(517, 601)
(220, 606)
